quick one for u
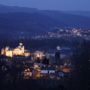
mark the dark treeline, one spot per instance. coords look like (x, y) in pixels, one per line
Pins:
(81, 57)
(43, 43)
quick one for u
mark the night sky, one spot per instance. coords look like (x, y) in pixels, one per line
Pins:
(75, 5)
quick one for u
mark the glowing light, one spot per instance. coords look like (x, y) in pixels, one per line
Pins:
(27, 73)
(36, 66)
(66, 70)
(58, 48)
(38, 55)
(27, 54)
(18, 51)
(9, 53)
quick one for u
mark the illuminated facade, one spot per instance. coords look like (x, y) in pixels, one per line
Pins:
(38, 55)
(7, 52)
(18, 51)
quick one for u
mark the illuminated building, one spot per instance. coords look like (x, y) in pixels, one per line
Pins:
(36, 66)
(65, 68)
(37, 74)
(26, 54)
(7, 52)
(27, 73)
(36, 71)
(38, 55)
(18, 51)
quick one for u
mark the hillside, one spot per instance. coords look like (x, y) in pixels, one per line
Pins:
(17, 20)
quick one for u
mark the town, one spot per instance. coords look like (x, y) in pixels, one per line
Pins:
(66, 32)
(36, 64)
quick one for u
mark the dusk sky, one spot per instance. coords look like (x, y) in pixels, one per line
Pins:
(83, 5)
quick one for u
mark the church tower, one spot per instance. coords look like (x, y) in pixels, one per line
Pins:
(57, 55)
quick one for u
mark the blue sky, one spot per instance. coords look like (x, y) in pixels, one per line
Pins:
(83, 5)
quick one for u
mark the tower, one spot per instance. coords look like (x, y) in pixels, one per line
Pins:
(57, 55)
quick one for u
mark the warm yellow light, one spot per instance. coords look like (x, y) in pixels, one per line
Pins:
(27, 73)
(38, 54)
(27, 54)
(2, 52)
(18, 51)
(36, 66)
(66, 70)
(9, 53)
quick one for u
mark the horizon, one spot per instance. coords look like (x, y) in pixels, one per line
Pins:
(43, 9)
(70, 5)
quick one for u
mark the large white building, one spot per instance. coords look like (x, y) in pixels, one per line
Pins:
(18, 51)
